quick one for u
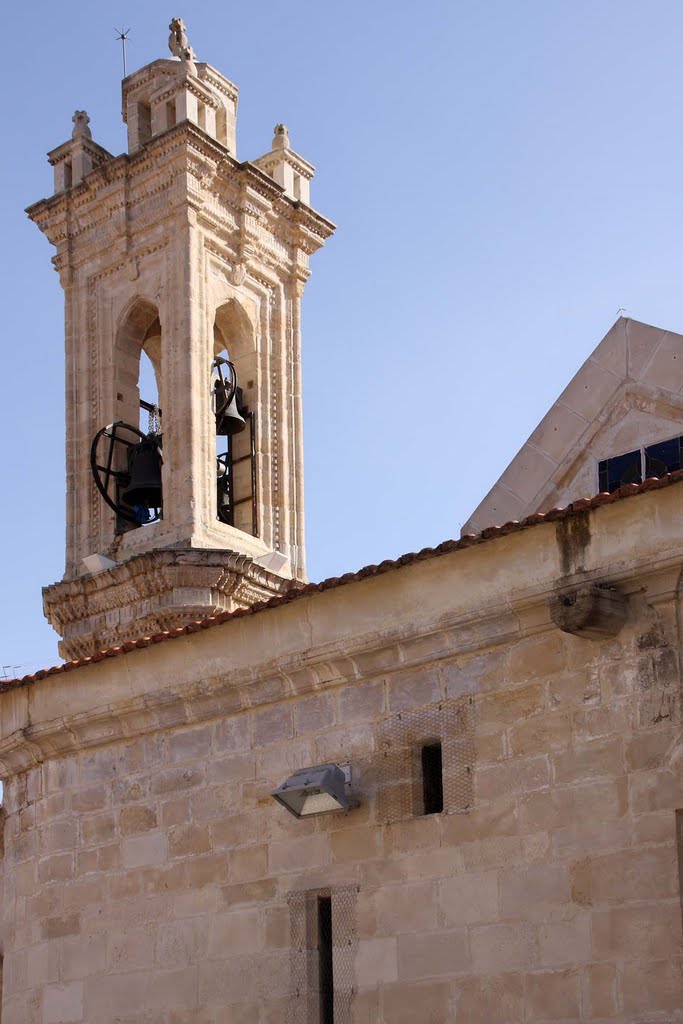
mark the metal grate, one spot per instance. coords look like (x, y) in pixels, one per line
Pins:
(401, 741)
(310, 916)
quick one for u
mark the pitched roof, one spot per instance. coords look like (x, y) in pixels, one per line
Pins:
(448, 546)
(628, 393)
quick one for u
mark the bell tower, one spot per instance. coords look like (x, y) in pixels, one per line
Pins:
(178, 255)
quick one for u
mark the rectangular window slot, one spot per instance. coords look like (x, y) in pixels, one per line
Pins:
(325, 962)
(634, 467)
(323, 946)
(432, 778)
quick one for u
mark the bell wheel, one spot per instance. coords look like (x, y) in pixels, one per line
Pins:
(109, 462)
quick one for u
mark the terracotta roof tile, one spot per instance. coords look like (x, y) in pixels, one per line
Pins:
(296, 592)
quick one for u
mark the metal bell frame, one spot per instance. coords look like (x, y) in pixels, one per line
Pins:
(104, 473)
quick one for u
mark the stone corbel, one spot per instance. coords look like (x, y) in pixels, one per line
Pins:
(591, 611)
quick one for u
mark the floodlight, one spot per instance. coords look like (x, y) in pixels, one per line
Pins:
(321, 789)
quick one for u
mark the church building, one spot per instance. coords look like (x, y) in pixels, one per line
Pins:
(445, 789)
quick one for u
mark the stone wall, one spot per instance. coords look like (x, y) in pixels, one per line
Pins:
(150, 875)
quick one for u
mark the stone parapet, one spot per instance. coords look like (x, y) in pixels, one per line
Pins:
(152, 592)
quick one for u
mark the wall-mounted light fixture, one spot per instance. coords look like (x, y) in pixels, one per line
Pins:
(321, 789)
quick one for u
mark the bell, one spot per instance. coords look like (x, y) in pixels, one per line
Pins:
(229, 420)
(144, 466)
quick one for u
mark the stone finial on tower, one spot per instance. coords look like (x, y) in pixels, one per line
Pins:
(288, 169)
(179, 45)
(74, 159)
(281, 137)
(81, 122)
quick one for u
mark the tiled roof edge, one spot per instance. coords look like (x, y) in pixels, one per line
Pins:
(296, 592)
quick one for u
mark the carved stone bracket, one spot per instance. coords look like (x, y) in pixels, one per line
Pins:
(590, 611)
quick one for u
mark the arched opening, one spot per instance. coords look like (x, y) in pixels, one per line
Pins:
(234, 352)
(139, 330)
(137, 378)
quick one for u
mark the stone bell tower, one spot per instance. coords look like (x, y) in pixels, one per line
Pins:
(178, 250)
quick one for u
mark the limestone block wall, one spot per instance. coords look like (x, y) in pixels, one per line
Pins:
(147, 879)
(150, 877)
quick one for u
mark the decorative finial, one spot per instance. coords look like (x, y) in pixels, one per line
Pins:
(178, 44)
(281, 137)
(81, 122)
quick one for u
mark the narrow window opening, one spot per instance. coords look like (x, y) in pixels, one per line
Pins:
(325, 960)
(432, 778)
(67, 174)
(170, 114)
(201, 116)
(297, 186)
(144, 123)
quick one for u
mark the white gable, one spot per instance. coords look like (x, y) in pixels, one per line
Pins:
(628, 394)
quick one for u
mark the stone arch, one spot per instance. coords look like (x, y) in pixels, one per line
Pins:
(234, 338)
(138, 330)
(233, 331)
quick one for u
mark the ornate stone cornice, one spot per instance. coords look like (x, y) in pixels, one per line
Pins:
(149, 592)
(118, 198)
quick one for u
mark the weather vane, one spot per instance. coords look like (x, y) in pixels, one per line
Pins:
(123, 36)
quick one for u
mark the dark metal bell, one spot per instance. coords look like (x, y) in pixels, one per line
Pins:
(229, 420)
(144, 466)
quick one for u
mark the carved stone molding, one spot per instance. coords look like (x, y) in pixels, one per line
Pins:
(153, 592)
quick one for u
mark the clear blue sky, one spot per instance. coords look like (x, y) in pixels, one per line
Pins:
(504, 177)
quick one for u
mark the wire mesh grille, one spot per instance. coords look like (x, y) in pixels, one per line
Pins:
(400, 741)
(322, 987)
